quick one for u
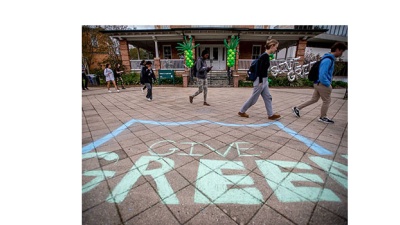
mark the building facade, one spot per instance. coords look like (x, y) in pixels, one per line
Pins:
(295, 42)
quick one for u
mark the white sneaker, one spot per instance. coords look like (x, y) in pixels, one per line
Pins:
(117, 90)
(149, 99)
(109, 91)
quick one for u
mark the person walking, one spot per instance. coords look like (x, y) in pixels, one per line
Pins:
(142, 70)
(118, 71)
(322, 86)
(260, 85)
(148, 77)
(201, 75)
(109, 77)
(85, 79)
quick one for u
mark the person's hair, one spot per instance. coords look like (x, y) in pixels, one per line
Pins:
(338, 45)
(204, 52)
(270, 43)
(107, 65)
(116, 65)
(142, 62)
(149, 63)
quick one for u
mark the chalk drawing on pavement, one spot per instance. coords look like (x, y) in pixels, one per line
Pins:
(314, 146)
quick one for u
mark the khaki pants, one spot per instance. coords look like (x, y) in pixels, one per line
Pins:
(322, 91)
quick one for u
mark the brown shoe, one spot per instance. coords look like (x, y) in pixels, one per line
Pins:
(243, 114)
(190, 99)
(274, 117)
(205, 103)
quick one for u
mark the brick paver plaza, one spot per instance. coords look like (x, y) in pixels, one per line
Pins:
(171, 162)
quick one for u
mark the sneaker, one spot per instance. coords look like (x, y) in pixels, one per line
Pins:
(149, 99)
(109, 91)
(243, 114)
(117, 90)
(123, 87)
(205, 103)
(296, 111)
(191, 99)
(274, 117)
(325, 120)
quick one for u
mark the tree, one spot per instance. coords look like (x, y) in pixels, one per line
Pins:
(96, 43)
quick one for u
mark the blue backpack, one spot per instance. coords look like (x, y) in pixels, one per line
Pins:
(252, 71)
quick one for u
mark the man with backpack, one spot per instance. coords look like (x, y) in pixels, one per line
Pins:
(201, 74)
(322, 85)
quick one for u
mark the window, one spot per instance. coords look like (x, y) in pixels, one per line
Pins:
(215, 54)
(167, 51)
(256, 51)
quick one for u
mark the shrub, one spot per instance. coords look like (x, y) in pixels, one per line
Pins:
(131, 78)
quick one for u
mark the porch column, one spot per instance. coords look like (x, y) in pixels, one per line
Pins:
(157, 64)
(235, 80)
(156, 46)
(301, 50)
(124, 51)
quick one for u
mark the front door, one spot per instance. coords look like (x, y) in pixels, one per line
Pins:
(217, 57)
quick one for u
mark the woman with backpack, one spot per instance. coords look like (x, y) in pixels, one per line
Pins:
(201, 73)
(260, 85)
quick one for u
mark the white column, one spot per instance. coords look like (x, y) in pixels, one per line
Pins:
(155, 42)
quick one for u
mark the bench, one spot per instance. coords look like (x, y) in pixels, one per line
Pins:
(166, 74)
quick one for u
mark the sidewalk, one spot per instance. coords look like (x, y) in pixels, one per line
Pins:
(172, 162)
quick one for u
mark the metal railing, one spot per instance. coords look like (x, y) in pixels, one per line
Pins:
(135, 64)
(172, 64)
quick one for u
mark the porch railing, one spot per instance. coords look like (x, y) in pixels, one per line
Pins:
(244, 64)
(135, 64)
(171, 64)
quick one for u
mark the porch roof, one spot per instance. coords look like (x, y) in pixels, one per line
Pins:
(145, 38)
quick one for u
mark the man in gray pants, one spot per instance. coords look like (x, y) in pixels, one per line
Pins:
(322, 86)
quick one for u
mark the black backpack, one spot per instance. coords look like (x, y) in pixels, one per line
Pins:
(193, 70)
(252, 71)
(313, 75)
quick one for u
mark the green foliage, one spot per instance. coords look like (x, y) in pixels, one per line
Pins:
(245, 83)
(178, 80)
(132, 78)
(339, 83)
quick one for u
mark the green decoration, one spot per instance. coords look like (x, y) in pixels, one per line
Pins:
(186, 48)
(231, 50)
(271, 56)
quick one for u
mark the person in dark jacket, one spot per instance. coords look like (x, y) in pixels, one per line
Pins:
(322, 86)
(148, 77)
(142, 70)
(201, 75)
(118, 71)
(260, 85)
